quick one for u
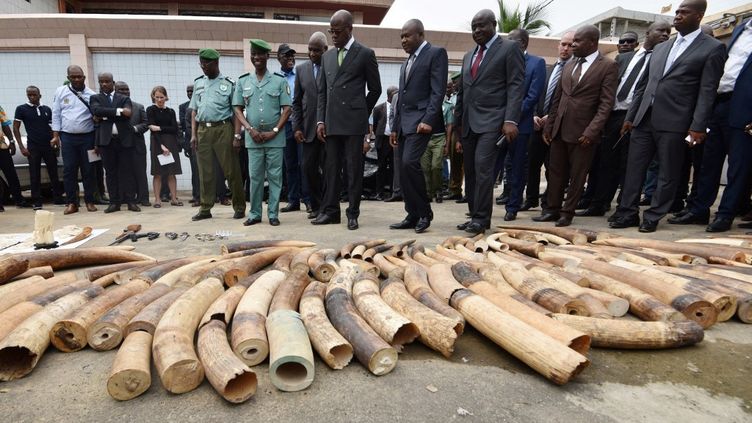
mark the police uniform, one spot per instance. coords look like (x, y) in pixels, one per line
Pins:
(212, 101)
(263, 101)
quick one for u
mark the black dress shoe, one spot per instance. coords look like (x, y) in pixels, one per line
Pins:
(612, 218)
(502, 199)
(393, 199)
(307, 207)
(201, 216)
(112, 208)
(146, 203)
(274, 221)
(583, 204)
(422, 225)
(462, 226)
(546, 217)
(510, 216)
(677, 207)
(746, 225)
(249, 222)
(352, 224)
(624, 222)
(689, 218)
(720, 224)
(648, 226)
(313, 214)
(591, 211)
(290, 207)
(439, 198)
(475, 228)
(563, 221)
(681, 212)
(325, 219)
(405, 224)
(134, 207)
(238, 215)
(453, 197)
(645, 201)
(462, 200)
(528, 205)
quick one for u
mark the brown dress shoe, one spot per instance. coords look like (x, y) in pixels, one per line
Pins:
(91, 207)
(70, 209)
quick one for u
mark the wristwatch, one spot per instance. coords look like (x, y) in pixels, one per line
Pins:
(275, 130)
(237, 136)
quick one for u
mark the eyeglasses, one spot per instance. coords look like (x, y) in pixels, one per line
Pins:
(334, 31)
(627, 41)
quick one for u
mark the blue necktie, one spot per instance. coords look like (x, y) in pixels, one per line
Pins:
(555, 76)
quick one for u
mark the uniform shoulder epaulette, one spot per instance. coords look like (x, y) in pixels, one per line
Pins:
(199, 77)
(280, 74)
(230, 80)
(244, 75)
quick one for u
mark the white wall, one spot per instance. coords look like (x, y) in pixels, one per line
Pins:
(45, 70)
(31, 6)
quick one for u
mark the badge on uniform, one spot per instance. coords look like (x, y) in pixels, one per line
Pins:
(288, 89)
(223, 87)
(66, 101)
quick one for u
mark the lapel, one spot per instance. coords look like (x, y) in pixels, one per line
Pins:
(660, 56)
(688, 51)
(415, 62)
(566, 77)
(349, 57)
(592, 69)
(315, 78)
(487, 58)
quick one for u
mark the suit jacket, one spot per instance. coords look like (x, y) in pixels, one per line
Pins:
(623, 61)
(740, 114)
(305, 103)
(101, 107)
(184, 120)
(495, 95)
(683, 99)
(422, 92)
(139, 126)
(535, 85)
(379, 119)
(342, 105)
(582, 110)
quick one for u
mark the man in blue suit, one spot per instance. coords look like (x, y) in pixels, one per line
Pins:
(535, 84)
(418, 115)
(730, 135)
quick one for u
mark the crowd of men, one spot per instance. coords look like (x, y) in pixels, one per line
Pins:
(639, 125)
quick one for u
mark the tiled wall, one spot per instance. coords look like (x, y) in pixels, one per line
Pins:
(31, 6)
(45, 70)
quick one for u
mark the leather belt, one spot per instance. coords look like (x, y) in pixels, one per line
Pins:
(210, 124)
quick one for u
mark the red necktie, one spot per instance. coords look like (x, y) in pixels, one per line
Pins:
(476, 62)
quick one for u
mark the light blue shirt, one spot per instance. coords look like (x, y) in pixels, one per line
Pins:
(69, 114)
(290, 77)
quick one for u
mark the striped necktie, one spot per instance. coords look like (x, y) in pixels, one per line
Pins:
(555, 76)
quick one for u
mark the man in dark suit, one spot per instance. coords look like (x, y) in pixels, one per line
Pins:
(583, 100)
(304, 105)
(488, 108)
(114, 140)
(673, 101)
(537, 149)
(730, 135)
(382, 130)
(342, 116)
(610, 163)
(419, 115)
(139, 126)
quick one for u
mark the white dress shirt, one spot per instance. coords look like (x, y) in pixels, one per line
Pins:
(388, 126)
(737, 57)
(678, 48)
(589, 59)
(639, 54)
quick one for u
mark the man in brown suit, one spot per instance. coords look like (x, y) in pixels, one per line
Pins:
(583, 101)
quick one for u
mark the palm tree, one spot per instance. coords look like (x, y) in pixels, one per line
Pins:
(532, 19)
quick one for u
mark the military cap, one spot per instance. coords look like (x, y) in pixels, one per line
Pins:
(208, 54)
(455, 75)
(261, 45)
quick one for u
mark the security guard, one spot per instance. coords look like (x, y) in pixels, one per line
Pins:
(265, 97)
(212, 132)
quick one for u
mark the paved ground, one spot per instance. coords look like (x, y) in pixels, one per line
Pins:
(710, 381)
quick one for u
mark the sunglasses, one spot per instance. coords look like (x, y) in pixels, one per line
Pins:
(627, 41)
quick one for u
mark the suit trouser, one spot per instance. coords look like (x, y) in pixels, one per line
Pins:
(139, 164)
(350, 149)
(385, 160)
(456, 166)
(37, 154)
(643, 144)
(480, 151)
(397, 166)
(516, 156)
(265, 161)
(608, 171)
(568, 167)
(9, 170)
(297, 188)
(216, 141)
(313, 160)
(74, 149)
(432, 164)
(118, 162)
(537, 157)
(411, 148)
(723, 140)
(691, 167)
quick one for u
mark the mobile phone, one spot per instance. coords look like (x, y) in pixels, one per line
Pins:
(501, 140)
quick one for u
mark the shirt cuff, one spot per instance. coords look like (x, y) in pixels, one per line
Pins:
(319, 123)
(511, 121)
(118, 111)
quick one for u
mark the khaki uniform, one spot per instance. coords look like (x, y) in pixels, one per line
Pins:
(212, 101)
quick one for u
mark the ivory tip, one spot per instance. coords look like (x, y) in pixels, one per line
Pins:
(383, 361)
(183, 376)
(68, 336)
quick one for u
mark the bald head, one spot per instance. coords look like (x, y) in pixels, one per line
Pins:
(698, 5)
(485, 14)
(688, 15)
(76, 77)
(585, 41)
(316, 47)
(414, 24)
(521, 36)
(74, 68)
(341, 26)
(105, 75)
(342, 17)
(483, 26)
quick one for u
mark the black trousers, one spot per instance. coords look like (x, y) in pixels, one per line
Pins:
(385, 158)
(479, 152)
(313, 162)
(537, 157)
(411, 148)
(643, 144)
(140, 157)
(610, 164)
(9, 170)
(347, 148)
(118, 163)
(37, 155)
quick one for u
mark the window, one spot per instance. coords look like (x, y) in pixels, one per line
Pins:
(286, 17)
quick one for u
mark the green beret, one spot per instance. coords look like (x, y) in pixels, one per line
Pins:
(208, 54)
(455, 75)
(261, 45)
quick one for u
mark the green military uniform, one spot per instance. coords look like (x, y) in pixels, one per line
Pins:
(212, 101)
(433, 157)
(456, 167)
(263, 101)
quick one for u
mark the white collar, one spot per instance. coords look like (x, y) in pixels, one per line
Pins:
(420, 48)
(590, 58)
(349, 44)
(689, 37)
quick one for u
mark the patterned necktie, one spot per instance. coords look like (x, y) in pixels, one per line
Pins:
(410, 62)
(555, 76)
(632, 78)
(341, 56)
(577, 72)
(476, 62)
(673, 54)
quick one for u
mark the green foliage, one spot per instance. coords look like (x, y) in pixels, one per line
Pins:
(532, 19)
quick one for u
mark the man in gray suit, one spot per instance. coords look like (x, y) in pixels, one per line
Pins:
(419, 115)
(673, 101)
(140, 126)
(304, 107)
(489, 103)
(342, 116)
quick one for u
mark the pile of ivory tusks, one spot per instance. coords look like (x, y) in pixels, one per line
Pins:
(545, 295)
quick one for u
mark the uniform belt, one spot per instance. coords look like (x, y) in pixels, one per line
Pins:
(210, 124)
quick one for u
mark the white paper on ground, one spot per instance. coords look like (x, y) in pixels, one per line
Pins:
(27, 242)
